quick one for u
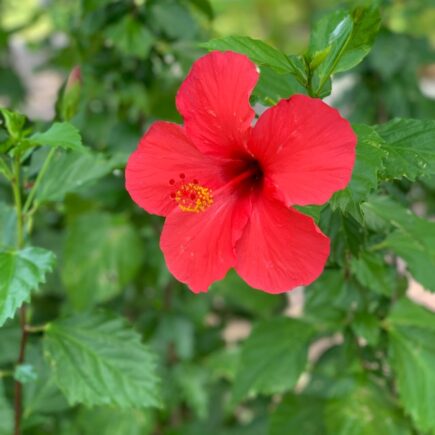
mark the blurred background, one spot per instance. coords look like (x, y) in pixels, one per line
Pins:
(133, 55)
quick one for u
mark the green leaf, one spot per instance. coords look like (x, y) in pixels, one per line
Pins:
(260, 53)
(25, 373)
(69, 172)
(410, 146)
(131, 37)
(236, 292)
(411, 330)
(97, 360)
(414, 239)
(339, 41)
(113, 252)
(373, 273)
(272, 358)
(14, 122)
(6, 414)
(369, 161)
(204, 6)
(21, 272)
(363, 408)
(298, 414)
(60, 134)
(366, 325)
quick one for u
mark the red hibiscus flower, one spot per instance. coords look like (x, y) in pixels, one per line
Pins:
(227, 187)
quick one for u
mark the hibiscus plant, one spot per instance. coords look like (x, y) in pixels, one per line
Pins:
(287, 289)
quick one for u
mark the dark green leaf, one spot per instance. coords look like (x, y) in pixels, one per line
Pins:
(369, 161)
(60, 134)
(410, 146)
(8, 225)
(298, 414)
(272, 358)
(366, 326)
(411, 330)
(113, 252)
(21, 272)
(6, 414)
(97, 360)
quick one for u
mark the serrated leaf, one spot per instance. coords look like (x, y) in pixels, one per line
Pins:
(98, 360)
(131, 37)
(369, 161)
(363, 408)
(298, 414)
(414, 239)
(60, 134)
(260, 53)
(411, 330)
(69, 172)
(272, 358)
(410, 146)
(21, 272)
(113, 252)
(339, 41)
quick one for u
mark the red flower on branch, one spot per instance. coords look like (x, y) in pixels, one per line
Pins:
(227, 187)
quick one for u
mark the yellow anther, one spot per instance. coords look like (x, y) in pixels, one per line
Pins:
(194, 198)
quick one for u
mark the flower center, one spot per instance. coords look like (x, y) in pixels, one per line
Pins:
(190, 196)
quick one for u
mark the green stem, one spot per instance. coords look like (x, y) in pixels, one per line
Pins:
(16, 189)
(40, 176)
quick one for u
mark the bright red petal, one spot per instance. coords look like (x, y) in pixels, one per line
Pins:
(164, 153)
(280, 248)
(199, 247)
(214, 102)
(305, 148)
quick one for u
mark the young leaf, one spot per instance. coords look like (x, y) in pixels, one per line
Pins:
(339, 41)
(21, 272)
(97, 360)
(272, 358)
(410, 146)
(14, 122)
(113, 253)
(411, 329)
(260, 53)
(60, 134)
(369, 161)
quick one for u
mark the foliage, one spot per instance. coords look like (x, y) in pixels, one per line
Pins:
(111, 342)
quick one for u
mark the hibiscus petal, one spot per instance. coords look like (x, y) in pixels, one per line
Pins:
(305, 148)
(280, 248)
(163, 156)
(199, 247)
(214, 102)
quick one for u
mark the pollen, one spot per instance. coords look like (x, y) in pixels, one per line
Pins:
(194, 198)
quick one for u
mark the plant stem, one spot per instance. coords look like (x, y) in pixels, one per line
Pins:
(16, 187)
(40, 176)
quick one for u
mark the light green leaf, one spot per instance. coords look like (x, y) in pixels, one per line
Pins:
(410, 146)
(21, 272)
(339, 41)
(14, 122)
(25, 373)
(363, 408)
(6, 414)
(272, 358)
(69, 172)
(60, 134)
(131, 37)
(97, 360)
(411, 330)
(113, 254)
(369, 161)
(298, 414)
(260, 53)
(414, 239)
